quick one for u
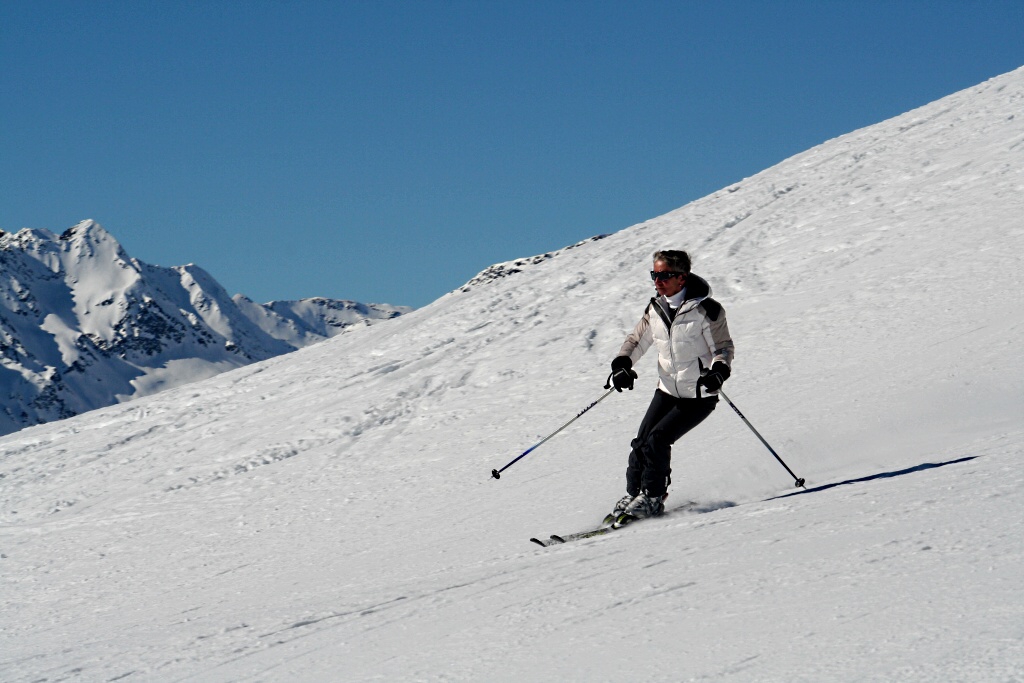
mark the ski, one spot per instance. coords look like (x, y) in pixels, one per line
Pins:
(580, 535)
(606, 527)
(555, 539)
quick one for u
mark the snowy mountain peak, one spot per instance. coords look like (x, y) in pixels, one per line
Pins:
(83, 325)
(86, 231)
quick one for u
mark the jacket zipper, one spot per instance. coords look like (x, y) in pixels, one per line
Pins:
(671, 349)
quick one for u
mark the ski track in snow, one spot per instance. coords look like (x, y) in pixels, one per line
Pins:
(329, 515)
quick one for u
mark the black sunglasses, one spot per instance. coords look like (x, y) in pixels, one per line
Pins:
(664, 274)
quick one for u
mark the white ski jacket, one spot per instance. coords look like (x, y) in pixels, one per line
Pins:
(689, 339)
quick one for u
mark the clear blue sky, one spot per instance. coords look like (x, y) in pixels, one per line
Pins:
(388, 151)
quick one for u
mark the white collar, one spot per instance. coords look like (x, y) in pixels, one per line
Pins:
(676, 300)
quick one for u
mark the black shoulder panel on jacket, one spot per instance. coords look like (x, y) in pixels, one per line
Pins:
(712, 309)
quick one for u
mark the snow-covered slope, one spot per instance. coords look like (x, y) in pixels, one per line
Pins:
(328, 515)
(83, 325)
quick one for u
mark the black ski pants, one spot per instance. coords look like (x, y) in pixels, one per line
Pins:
(667, 419)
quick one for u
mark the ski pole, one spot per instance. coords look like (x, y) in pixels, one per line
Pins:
(799, 481)
(497, 473)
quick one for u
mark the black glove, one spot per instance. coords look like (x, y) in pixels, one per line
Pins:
(622, 373)
(716, 376)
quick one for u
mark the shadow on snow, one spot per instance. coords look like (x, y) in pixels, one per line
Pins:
(882, 475)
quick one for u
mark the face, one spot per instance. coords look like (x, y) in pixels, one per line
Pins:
(671, 286)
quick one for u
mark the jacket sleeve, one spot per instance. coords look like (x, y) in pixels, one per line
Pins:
(719, 339)
(639, 340)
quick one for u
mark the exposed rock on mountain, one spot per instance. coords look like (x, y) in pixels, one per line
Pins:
(84, 325)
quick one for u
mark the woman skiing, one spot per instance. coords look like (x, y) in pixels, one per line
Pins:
(695, 353)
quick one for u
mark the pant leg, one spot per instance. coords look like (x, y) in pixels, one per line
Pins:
(667, 420)
(660, 405)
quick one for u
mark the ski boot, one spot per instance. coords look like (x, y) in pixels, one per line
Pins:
(641, 507)
(619, 508)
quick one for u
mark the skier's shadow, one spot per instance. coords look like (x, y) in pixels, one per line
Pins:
(882, 475)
